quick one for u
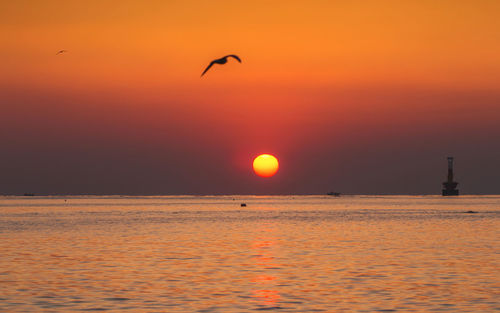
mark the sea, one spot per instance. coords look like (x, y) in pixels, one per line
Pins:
(277, 253)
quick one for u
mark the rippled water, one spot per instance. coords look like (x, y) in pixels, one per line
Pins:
(291, 254)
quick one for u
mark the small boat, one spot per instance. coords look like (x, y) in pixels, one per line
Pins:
(335, 194)
(29, 194)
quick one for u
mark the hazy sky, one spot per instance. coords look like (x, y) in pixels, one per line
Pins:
(353, 96)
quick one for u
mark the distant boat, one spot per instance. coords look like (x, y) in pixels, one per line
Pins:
(335, 194)
(29, 194)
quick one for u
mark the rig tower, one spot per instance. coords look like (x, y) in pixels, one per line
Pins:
(450, 187)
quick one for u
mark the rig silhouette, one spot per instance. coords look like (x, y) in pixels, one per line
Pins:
(450, 187)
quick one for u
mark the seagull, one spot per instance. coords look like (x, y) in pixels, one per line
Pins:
(61, 51)
(220, 61)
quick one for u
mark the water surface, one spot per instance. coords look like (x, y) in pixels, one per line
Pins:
(288, 254)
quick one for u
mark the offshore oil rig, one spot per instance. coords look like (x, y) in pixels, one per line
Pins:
(450, 187)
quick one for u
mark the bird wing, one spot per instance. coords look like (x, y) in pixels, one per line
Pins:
(208, 67)
(234, 56)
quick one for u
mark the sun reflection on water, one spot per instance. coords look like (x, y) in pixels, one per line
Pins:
(263, 247)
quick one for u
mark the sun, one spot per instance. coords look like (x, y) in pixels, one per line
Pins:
(265, 165)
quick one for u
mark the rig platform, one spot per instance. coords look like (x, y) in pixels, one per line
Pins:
(450, 187)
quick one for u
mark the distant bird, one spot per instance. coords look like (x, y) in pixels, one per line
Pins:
(220, 61)
(61, 51)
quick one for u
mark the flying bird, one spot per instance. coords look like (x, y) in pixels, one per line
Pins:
(61, 51)
(221, 61)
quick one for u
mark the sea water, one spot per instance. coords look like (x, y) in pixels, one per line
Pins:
(282, 253)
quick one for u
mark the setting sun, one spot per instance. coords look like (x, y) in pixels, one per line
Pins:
(265, 165)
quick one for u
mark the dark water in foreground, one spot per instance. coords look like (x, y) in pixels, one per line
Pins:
(289, 254)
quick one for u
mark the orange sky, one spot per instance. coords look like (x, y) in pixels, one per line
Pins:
(370, 72)
(146, 44)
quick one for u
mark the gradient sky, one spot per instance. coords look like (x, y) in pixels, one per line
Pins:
(360, 97)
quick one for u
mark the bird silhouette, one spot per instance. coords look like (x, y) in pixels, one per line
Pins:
(61, 51)
(221, 61)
